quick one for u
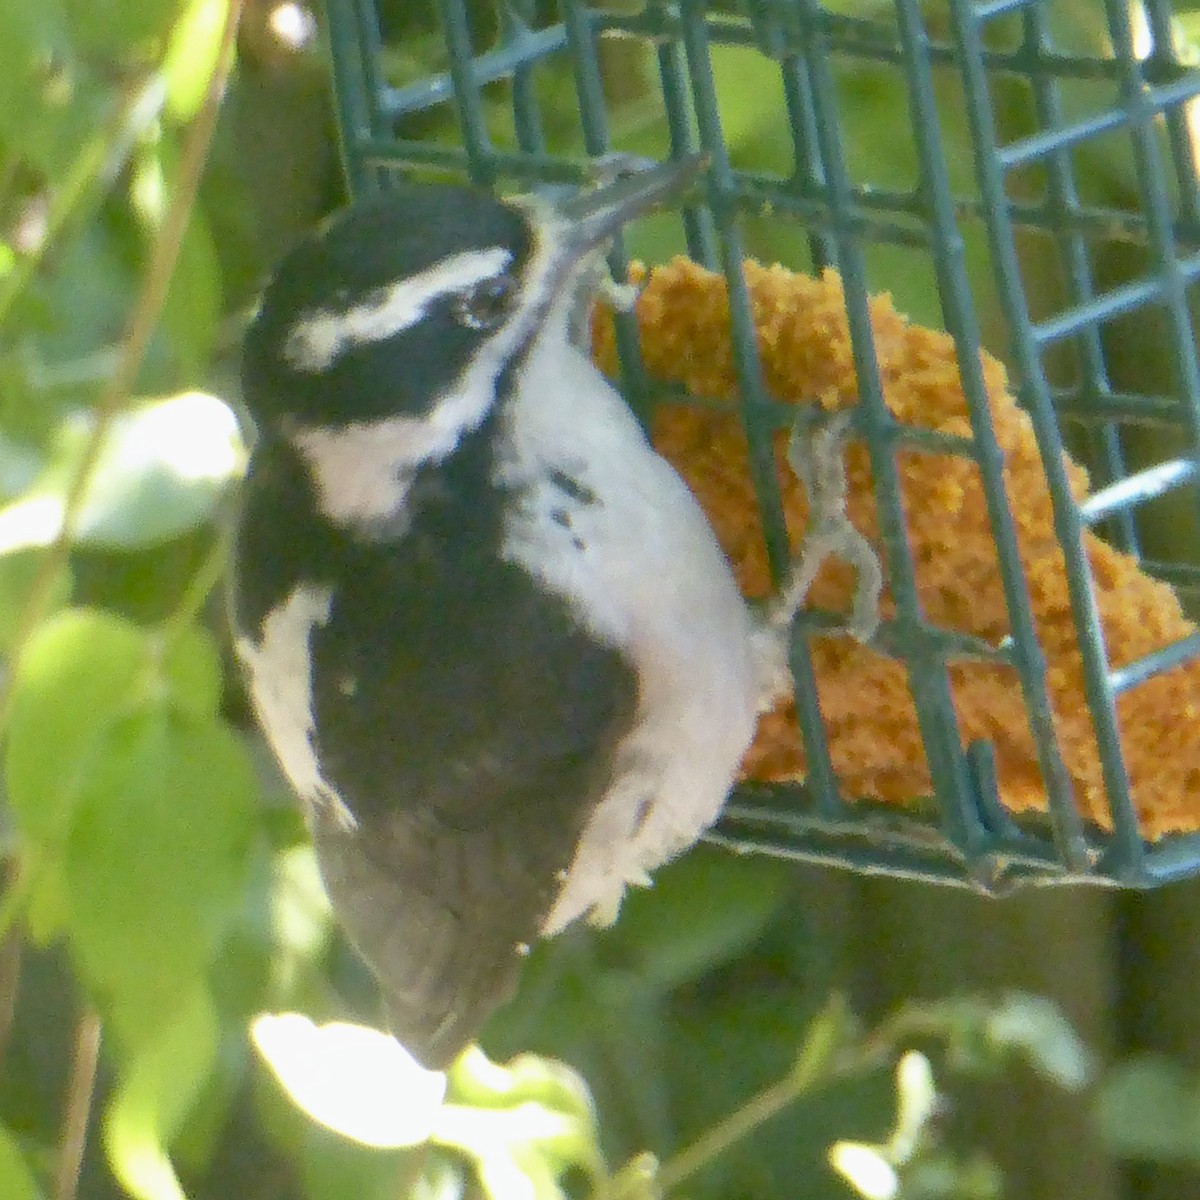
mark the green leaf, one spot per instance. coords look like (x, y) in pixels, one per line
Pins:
(1149, 1108)
(331, 1168)
(192, 56)
(1187, 27)
(300, 915)
(478, 1081)
(45, 899)
(44, 98)
(524, 1123)
(85, 288)
(636, 1179)
(192, 310)
(80, 671)
(29, 27)
(30, 412)
(118, 28)
(193, 673)
(156, 861)
(16, 1179)
(156, 1092)
(181, 349)
(1036, 1028)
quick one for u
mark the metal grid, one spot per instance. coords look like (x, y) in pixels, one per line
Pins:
(1136, 90)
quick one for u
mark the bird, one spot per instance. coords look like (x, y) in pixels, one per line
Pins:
(486, 630)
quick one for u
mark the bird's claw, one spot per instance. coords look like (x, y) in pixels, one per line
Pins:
(615, 165)
(816, 456)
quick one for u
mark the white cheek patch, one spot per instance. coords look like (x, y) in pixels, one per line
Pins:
(279, 668)
(320, 338)
(362, 472)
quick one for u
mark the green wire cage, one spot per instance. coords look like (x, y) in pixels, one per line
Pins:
(484, 89)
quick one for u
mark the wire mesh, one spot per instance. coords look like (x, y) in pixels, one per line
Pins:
(523, 93)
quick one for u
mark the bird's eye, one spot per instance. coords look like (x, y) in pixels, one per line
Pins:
(486, 304)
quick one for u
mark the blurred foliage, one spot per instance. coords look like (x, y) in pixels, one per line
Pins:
(159, 894)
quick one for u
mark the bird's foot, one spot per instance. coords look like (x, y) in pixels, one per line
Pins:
(620, 296)
(816, 456)
(615, 165)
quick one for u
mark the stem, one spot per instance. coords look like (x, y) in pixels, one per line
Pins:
(828, 1054)
(11, 947)
(143, 320)
(412, 1171)
(833, 1050)
(715, 1141)
(822, 1059)
(12, 899)
(199, 587)
(79, 1107)
(636, 1180)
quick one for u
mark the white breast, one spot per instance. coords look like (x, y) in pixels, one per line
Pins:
(642, 570)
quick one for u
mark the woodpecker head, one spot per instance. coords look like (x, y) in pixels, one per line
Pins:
(423, 291)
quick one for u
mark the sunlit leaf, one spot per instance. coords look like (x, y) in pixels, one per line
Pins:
(162, 470)
(192, 55)
(916, 1103)
(518, 1152)
(866, 1169)
(354, 1080)
(301, 918)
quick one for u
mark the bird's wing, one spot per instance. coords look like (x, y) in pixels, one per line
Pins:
(472, 743)
(444, 914)
(460, 712)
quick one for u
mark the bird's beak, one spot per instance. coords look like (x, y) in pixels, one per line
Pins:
(591, 218)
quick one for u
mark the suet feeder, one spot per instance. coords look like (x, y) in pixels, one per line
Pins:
(1020, 176)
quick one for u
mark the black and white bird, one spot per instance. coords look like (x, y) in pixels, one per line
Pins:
(486, 629)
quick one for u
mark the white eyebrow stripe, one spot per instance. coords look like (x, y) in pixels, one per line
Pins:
(317, 340)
